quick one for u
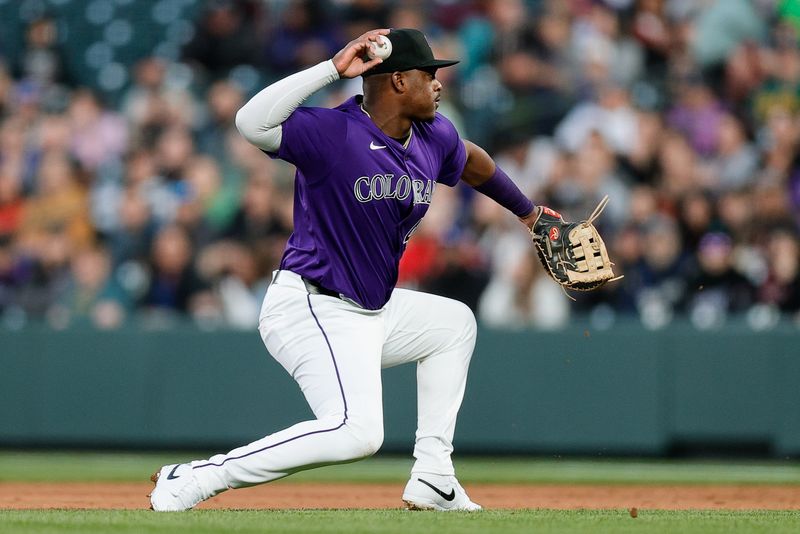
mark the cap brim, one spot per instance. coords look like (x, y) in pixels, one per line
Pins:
(438, 63)
(434, 63)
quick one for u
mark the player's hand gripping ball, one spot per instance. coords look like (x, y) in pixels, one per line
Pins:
(380, 49)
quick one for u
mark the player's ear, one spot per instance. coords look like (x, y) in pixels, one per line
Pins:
(399, 82)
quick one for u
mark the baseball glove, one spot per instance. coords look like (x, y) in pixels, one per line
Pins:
(573, 253)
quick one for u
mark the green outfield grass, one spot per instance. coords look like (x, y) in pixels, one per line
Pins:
(83, 466)
(390, 521)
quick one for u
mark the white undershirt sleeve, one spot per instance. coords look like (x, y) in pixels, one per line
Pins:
(259, 120)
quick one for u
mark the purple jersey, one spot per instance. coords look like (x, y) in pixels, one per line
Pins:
(359, 195)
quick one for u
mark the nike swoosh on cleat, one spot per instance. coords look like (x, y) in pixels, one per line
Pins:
(171, 474)
(446, 496)
(373, 146)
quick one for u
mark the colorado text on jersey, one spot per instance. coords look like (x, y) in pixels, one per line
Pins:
(384, 187)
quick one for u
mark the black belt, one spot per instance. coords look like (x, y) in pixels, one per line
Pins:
(316, 289)
(312, 287)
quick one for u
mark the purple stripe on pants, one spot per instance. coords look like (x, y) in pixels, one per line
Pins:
(341, 388)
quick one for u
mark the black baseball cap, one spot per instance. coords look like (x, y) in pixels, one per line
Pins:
(410, 50)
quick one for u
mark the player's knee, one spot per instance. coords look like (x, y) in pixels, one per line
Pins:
(465, 321)
(472, 326)
(373, 444)
(372, 441)
(368, 441)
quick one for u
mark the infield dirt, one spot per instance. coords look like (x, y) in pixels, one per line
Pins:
(74, 495)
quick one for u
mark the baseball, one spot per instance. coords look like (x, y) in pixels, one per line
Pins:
(380, 49)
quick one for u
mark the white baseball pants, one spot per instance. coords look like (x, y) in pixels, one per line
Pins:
(335, 351)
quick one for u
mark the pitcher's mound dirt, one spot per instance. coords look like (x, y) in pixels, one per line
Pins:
(306, 495)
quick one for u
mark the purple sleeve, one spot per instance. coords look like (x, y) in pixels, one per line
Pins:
(455, 153)
(502, 190)
(311, 139)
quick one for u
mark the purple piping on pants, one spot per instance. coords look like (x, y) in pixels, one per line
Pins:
(341, 388)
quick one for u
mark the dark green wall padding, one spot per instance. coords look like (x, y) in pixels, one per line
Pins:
(621, 391)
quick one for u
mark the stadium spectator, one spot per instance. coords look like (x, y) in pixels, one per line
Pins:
(43, 64)
(92, 295)
(303, 36)
(209, 206)
(224, 38)
(716, 287)
(782, 285)
(174, 285)
(223, 101)
(97, 135)
(237, 280)
(11, 205)
(59, 205)
(612, 116)
(132, 236)
(258, 219)
(697, 114)
(735, 162)
(151, 105)
(6, 90)
(663, 268)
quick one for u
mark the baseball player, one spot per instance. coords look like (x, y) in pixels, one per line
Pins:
(366, 173)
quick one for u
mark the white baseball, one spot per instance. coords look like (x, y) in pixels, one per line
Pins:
(380, 49)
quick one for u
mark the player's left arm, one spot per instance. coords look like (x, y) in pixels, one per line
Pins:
(482, 174)
(573, 253)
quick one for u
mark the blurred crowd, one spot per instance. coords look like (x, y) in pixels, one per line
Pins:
(685, 112)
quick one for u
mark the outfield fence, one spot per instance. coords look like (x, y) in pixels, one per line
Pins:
(625, 390)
